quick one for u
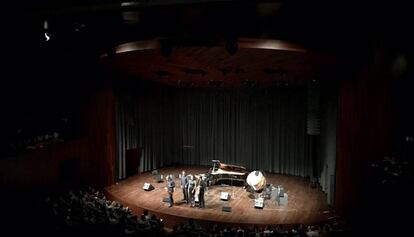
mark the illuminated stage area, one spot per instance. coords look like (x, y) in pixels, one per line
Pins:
(306, 203)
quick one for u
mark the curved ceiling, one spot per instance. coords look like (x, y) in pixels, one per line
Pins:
(255, 62)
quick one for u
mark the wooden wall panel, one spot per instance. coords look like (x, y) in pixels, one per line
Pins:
(41, 166)
(99, 168)
(95, 151)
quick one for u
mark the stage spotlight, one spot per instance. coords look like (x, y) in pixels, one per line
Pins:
(232, 46)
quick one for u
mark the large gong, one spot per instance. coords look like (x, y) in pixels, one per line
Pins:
(256, 180)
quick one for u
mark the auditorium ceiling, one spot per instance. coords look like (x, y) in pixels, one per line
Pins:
(254, 62)
(192, 43)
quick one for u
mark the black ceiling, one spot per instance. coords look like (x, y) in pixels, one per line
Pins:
(82, 30)
(321, 25)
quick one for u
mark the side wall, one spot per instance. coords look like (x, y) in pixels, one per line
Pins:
(89, 160)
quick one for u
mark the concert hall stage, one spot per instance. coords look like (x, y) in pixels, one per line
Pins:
(306, 204)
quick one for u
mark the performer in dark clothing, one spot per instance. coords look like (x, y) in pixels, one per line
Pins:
(202, 187)
(170, 189)
(191, 190)
(184, 186)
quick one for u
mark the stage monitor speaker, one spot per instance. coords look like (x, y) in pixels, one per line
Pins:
(331, 196)
(284, 200)
(224, 196)
(259, 203)
(227, 209)
(148, 187)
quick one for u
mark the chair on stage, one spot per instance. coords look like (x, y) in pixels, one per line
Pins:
(157, 176)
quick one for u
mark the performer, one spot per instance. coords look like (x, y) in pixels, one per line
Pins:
(170, 189)
(197, 189)
(184, 186)
(202, 186)
(191, 190)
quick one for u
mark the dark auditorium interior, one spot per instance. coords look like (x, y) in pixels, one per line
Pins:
(99, 93)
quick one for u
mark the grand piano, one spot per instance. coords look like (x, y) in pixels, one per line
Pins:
(230, 173)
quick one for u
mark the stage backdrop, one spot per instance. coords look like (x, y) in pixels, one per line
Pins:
(257, 128)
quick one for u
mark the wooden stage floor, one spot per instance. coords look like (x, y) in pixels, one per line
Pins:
(305, 204)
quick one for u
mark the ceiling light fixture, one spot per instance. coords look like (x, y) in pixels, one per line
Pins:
(232, 45)
(46, 33)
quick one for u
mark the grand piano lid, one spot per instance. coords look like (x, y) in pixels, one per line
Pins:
(221, 171)
(233, 168)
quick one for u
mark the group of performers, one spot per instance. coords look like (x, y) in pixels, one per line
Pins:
(191, 187)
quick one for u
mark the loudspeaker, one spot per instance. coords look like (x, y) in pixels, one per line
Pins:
(227, 209)
(224, 196)
(259, 203)
(283, 201)
(148, 187)
(313, 123)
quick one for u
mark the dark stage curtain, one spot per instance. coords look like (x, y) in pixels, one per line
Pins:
(258, 128)
(364, 137)
(326, 170)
